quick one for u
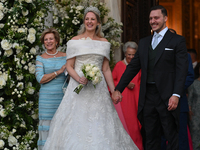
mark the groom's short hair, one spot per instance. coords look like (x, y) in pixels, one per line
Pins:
(163, 10)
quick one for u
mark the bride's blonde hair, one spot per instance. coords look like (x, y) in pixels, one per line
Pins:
(98, 31)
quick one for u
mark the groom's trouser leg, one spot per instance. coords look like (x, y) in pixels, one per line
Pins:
(157, 119)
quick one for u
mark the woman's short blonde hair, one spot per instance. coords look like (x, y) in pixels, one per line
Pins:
(51, 30)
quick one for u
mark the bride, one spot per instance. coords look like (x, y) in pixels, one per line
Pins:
(88, 120)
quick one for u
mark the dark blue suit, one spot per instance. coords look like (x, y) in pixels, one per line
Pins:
(183, 136)
(184, 108)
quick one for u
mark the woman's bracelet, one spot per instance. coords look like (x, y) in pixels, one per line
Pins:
(55, 73)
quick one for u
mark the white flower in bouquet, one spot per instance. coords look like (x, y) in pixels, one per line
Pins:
(34, 116)
(8, 53)
(95, 69)
(20, 85)
(6, 45)
(2, 82)
(12, 140)
(23, 62)
(56, 20)
(32, 31)
(15, 45)
(29, 84)
(2, 113)
(20, 77)
(1, 25)
(95, 80)
(1, 99)
(5, 76)
(1, 15)
(79, 7)
(2, 143)
(26, 67)
(33, 51)
(92, 73)
(25, 13)
(32, 69)
(31, 38)
(30, 90)
(21, 30)
(1, 6)
(28, 1)
(88, 67)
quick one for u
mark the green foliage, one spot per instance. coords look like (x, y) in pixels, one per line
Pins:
(21, 23)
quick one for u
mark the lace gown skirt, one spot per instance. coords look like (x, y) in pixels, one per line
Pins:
(88, 120)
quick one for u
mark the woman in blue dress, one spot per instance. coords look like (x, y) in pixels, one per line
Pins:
(50, 73)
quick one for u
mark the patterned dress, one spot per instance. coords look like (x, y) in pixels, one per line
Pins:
(50, 94)
(194, 102)
(88, 120)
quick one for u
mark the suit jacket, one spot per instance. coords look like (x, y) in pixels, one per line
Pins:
(170, 69)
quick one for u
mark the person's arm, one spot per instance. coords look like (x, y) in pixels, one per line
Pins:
(44, 78)
(48, 77)
(73, 73)
(181, 73)
(108, 75)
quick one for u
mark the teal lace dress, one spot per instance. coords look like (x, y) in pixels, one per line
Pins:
(50, 94)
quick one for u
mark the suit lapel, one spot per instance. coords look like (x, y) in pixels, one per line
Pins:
(146, 50)
(163, 43)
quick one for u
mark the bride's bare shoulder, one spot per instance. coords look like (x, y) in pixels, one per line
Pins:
(76, 37)
(103, 39)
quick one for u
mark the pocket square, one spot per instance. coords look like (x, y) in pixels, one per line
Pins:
(169, 49)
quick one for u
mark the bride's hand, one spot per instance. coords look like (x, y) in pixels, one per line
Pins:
(83, 80)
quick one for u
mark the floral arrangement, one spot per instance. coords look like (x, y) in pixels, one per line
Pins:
(68, 17)
(21, 23)
(92, 73)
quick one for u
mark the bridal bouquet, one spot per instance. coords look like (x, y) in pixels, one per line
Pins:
(92, 73)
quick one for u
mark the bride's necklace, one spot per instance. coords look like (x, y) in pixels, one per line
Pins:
(52, 54)
(125, 61)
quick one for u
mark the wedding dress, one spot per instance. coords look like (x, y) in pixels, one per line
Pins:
(88, 120)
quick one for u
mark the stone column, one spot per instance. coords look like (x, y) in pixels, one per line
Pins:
(115, 12)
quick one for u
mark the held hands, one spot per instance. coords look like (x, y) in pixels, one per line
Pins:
(173, 103)
(116, 97)
(131, 85)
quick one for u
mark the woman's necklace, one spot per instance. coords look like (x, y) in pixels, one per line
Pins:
(52, 54)
(125, 61)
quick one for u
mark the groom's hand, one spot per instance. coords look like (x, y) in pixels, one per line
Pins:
(116, 97)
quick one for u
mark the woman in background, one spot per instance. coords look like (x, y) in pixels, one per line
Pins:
(194, 109)
(50, 67)
(128, 107)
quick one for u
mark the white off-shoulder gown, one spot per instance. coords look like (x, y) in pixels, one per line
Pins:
(88, 120)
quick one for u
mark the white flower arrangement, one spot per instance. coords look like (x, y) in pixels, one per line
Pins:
(21, 24)
(92, 73)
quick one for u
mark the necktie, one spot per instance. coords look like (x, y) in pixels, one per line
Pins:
(155, 42)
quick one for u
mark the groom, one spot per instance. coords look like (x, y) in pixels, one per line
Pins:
(162, 59)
